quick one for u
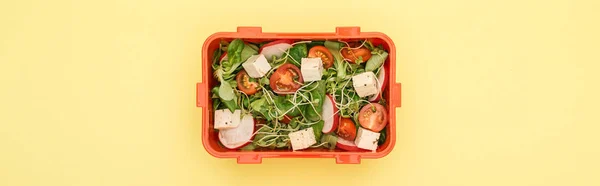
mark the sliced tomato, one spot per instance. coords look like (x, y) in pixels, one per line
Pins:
(323, 53)
(373, 116)
(346, 129)
(286, 119)
(286, 79)
(353, 54)
(244, 83)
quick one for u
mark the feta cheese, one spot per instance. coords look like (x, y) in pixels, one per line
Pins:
(366, 139)
(365, 84)
(225, 119)
(256, 66)
(302, 139)
(312, 69)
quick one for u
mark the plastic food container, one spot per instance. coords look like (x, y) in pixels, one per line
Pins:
(203, 100)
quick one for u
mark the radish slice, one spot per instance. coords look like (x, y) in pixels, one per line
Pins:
(347, 145)
(330, 115)
(275, 48)
(223, 57)
(240, 136)
(381, 80)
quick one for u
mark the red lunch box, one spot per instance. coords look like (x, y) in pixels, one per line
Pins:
(203, 98)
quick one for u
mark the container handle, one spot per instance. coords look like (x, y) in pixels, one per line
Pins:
(249, 159)
(347, 159)
(249, 30)
(201, 95)
(348, 31)
(396, 99)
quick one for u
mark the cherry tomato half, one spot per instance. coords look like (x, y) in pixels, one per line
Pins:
(244, 83)
(323, 53)
(286, 119)
(373, 116)
(286, 79)
(346, 129)
(354, 54)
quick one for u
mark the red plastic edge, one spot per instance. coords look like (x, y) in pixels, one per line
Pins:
(256, 157)
(201, 95)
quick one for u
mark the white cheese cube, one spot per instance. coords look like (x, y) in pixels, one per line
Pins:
(312, 69)
(225, 119)
(366, 139)
(302, 139)
(365, 84)
(256, 66)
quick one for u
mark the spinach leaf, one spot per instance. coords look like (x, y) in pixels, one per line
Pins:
(230, 104)
(234, 51)
(216, 103)
(261, 106)
(294, 122)
(248, 51)
(382, 136)
(284, 104)
(318, 129)
(297, 52)
(315, 43)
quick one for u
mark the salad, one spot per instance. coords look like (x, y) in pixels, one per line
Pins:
(287, 94)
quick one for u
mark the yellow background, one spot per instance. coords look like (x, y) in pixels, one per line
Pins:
(500, 92)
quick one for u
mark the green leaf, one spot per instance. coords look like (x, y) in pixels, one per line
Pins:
(264, 80)
(315, 43)
(281, 144)
(376, 60)
(216, 56)
(318, 97)
(248, 147)
(340, 64)
(293, 123)
(261, 106)
(382, 136)
(234, 51)
(297, 52)
(248, 51)
(225, 91)
(252, 46)
(330, 139)
(369, 45)
(214, 92)
(230, 104)
(359, 60)
(216, 103)
(284, 104)
(318, 129)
